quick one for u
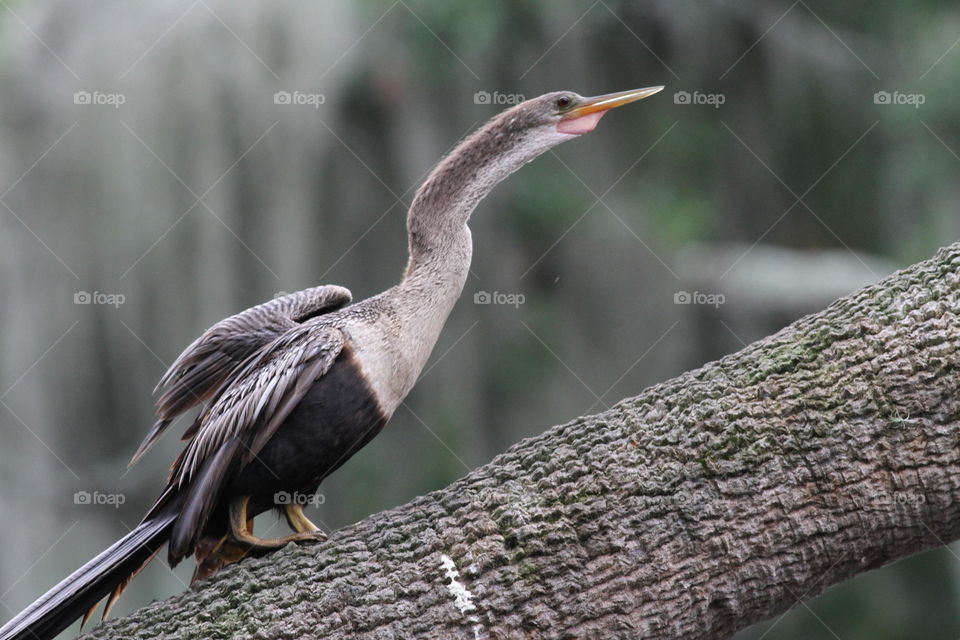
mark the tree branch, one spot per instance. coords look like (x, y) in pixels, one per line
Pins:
(706, 503)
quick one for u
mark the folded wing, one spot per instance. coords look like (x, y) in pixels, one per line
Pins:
(238, 422)
(205, 365)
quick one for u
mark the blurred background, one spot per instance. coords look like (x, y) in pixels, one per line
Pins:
(166, 164)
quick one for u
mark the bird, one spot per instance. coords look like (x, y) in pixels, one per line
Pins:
(287, 391)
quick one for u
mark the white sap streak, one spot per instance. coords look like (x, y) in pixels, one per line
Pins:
(463, 599)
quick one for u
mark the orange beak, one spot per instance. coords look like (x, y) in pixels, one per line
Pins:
(582, 118)
(609, 101)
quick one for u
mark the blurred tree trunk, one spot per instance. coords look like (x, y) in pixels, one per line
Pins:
(704, 504)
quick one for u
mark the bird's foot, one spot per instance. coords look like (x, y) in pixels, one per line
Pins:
(242, 537)
(255, 546)
(308, 537)
(299, 522)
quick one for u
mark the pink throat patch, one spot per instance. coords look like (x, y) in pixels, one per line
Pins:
(581, 125)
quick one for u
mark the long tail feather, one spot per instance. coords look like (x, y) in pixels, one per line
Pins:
(120, 588)
(84, 588)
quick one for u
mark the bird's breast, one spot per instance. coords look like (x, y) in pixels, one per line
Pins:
(392, 348)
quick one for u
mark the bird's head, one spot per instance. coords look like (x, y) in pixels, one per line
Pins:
(507, 142)
(521, 133)
(568, 113)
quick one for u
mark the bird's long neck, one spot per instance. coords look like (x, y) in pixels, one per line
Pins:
(440, 252)
(439, 240)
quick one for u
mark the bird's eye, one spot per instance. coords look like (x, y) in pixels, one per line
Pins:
(563, 102)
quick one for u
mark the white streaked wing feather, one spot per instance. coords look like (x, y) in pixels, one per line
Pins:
(249, 400)
(200, 371)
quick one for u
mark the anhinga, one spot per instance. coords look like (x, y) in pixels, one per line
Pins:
(293, 387)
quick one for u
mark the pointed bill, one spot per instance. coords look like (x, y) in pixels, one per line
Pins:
(609, 101)
(583, 117)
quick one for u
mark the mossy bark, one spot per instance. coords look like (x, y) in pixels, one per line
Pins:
(706, 503)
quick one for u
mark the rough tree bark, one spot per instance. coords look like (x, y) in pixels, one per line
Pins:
(704, 504)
